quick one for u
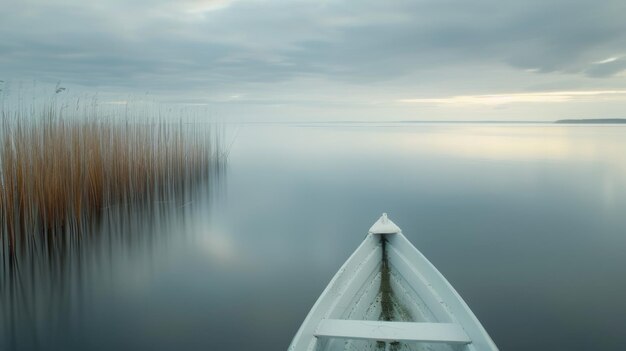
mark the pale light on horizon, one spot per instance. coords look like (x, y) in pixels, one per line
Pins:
(500, 99)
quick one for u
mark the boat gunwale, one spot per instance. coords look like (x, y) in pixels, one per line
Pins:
(457, 307)
(366, 248)
(427, 274)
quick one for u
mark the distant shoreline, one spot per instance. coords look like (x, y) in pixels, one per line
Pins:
(593, 121)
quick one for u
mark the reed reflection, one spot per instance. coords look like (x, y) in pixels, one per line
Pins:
(81, 195)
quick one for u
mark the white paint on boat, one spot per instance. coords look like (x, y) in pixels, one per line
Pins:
(387, 281)
(392, 331)
(384, 225)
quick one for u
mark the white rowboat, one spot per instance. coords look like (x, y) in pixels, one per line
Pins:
(388, 296)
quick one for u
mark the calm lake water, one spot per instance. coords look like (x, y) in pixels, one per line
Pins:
(527, 221)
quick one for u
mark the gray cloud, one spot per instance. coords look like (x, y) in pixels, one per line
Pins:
(223, 46)
(606, 69)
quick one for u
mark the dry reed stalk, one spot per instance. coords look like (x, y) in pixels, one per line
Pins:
(58, 173)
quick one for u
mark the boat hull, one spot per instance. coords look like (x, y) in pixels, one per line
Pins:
(385, 282)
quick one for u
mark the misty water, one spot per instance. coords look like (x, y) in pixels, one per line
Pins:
(525, 220)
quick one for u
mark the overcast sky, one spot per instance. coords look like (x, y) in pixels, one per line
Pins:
(341, 60)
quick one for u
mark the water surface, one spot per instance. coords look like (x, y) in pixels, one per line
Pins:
(526, 221)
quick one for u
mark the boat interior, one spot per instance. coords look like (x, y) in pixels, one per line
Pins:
(388, 296)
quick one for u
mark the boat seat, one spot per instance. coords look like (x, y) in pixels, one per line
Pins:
(392, 331)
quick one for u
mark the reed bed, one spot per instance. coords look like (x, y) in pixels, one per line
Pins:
(58, 172)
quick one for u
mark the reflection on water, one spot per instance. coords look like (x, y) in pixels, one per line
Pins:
(47, 287)
(525, 221)
(532, 240)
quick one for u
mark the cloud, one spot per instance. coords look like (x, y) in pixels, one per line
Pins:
(608, 60)
(217, 48)
(201, 6)
(608, 67)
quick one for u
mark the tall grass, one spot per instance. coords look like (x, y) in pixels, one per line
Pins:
(84, 185)
(59, 171)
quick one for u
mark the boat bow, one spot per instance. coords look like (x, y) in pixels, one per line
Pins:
(388, 295)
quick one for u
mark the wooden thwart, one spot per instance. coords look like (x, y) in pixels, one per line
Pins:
(392, 331)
